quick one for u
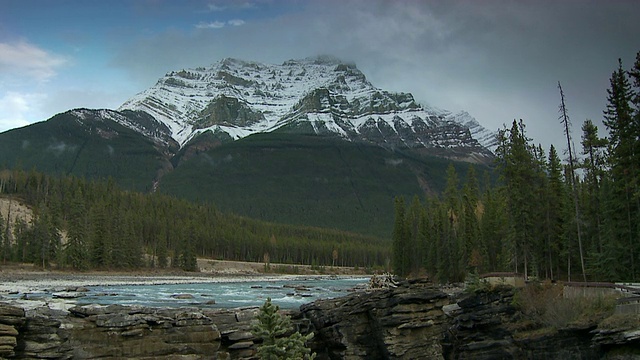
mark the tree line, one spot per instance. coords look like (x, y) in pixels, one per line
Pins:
(81, 224)
(577, 219)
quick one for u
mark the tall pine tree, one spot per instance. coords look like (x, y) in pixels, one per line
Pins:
(624, 161)
(401, 240)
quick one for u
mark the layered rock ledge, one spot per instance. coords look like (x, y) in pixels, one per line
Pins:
(413, 321)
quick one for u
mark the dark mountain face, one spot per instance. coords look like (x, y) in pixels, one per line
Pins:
(89, 143)
(308, 142)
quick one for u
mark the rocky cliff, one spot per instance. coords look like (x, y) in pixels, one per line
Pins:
(414, 321)
(323, 95)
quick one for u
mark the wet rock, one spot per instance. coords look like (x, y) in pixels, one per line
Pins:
(68, 295)
(182, 296)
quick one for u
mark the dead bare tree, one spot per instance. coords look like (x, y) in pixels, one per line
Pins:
(564, 120)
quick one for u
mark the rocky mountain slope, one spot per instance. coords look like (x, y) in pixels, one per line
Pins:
(308, 142)
(322, 95)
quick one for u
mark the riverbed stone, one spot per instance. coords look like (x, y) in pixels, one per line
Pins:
(182, 296)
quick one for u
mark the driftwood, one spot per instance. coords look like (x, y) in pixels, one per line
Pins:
(384, 281)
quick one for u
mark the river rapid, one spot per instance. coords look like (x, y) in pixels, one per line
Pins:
(288, 292)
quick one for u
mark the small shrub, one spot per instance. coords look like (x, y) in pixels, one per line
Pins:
(286, 269)
(620, 321)
(545, 305)
(475, 284)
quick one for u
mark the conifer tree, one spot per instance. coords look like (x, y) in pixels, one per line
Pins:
(454, 264)
(272, 328)
(415, 233)
(624, 160)
(554, 213)
(593, 148)
(471, 227)
(43, 238)
(400, 239)
(161, 252)
(493, 228)
(100, 239)
(432, 237)
(76, 247)
(516, 164)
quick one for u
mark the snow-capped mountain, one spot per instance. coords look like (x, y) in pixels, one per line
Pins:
(321, 159)
(320, 95)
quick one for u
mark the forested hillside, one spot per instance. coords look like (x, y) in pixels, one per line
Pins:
(577, 220)
(313, 180)
(82, 224)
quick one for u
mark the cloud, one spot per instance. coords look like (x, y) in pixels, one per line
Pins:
(497, 60)
(23, 58)
(216, 7)
(21, 108)
(219, 6)
(210, 25)
(219, 24)
(17, 108)
(236, 22)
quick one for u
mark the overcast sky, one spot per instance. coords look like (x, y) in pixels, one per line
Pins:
(498, 60)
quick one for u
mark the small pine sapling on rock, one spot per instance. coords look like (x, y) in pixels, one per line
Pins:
(272, 327)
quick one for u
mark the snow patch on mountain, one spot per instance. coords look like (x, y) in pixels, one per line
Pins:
(241, 98)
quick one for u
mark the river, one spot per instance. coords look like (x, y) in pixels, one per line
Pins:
(288, 292)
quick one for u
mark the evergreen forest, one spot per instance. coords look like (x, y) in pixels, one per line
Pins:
(79, 224)
(576, 219)
(566, 213)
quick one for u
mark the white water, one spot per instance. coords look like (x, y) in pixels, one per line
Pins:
(288, 293)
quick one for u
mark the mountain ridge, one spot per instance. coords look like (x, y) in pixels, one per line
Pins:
(320, 95)
(327, 149)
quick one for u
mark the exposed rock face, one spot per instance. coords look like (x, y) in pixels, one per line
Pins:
(228, 111)
(386, 324)
(412, 321)
(11, 319)
(124, 332)
(485, 327)
(419, 321)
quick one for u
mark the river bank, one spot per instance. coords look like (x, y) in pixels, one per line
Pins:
(29, 288)
(26, 278)
(415, 320)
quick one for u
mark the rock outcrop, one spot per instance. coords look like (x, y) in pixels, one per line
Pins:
(420, 321)
(411, 321)
(11, 319)
(125, 332)
(488, 326)
(383, 324)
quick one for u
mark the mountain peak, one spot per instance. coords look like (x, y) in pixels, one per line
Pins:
(316, 95)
